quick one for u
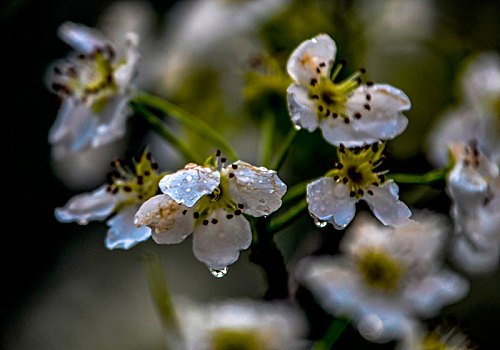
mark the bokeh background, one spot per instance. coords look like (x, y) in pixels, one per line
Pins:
(224, 61)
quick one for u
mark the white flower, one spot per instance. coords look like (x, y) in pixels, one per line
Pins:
(440, 337)
(123, 194)
(333, 198)
(474, 187)
(94, 83)
(210, 203)
(346, 112)
(242, 324)
(476, 117)
(385, 277)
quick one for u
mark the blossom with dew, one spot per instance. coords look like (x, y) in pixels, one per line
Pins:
(476, 116)
(242, 324)
(474, 187)
(209, 202)
(346, 112)
(95, 85)
(385, 276)
(333, 198)
(125, 190)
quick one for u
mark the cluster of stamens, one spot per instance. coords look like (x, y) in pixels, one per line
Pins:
(357, 168)
(87, 76)
(330, 98)
(137, 181)
(379, 269)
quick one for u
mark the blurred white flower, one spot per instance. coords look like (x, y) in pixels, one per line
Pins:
(385, 277)
(474, 187)
(440, 337)
(346, 112)
(94, 83)
(123, 194)
(333, 198)
(210, 203)
(476, 117)
(242, 324)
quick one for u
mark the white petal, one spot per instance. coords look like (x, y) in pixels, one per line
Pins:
(218, 245)
(301, 108)
(81, 38)
(258, 189)
(386, 206)
(307, 56)
(330, 201)
(170, 222)
(384, 119)
(126, 72)
(188, 185)
(123, 233)
(429, 294)
(96, 205)
(476, 260)
(112, 121)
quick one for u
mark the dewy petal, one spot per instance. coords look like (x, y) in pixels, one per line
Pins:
(96, 205)
(301, 108)
(386, 206)
(303, 62)
(218, 244)
(170, 222)
(188, 185)
(126, 72)
(258, 189)
(330, 201)
(123, 233)
(82, 38)
(381, 117)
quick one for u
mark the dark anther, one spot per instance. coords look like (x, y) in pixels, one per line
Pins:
(211, 195)
(357, 115)
(375, 184)
(115, 190)
(241, 206)
(147, 173)
(234, 166)
(81, 56)
(196, 215)
(109, 188)
(318, 70)
(229, 216)
(352, 194)
(127, 189)
(140, 180)
(359, 81)
(154, 166)
(335, 115)
(184, 212)
(223, 160)
(237, 212)
(369, 83)
(218, 153)
(381, 178)
(315, 97)
(466, 163)
(340, 166)
(347, 120)
(336, 178)
(140, 197)
(314, 81)
(214, 221)
(231, 175)
(205, 222)
(362, 70)
(57, 70)
(149, 156)
(327, 113)
(320, 108)
(345, 180)
(322, 64)
(370, 192)
(361, 192)
(375, 147)
(367, 107)
(368, 97)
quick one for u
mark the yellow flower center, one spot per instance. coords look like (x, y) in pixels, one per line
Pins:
(380, 270)
(231, 339)
(356, 168)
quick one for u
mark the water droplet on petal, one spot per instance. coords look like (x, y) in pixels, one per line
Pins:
(338, 227)
(188, 190)
(83, 221)
(189, 178)
(219, 273)
(296, 127)
(320, 223)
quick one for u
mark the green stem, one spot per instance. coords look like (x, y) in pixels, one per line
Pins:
(277, 223)
(427, 178)
(268, 127)
(296, 191)
(333, 333)
(194, 124)
(284, 149)
(162, 131)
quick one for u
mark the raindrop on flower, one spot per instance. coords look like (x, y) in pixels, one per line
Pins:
(296, 127)
(320, 223)
(83, 221)
(219, 273)
(188, 190)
